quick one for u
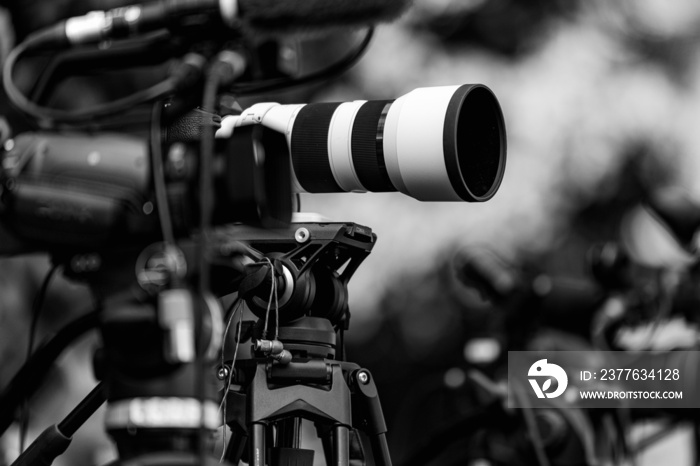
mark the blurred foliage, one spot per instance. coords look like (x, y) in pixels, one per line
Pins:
(508, 27)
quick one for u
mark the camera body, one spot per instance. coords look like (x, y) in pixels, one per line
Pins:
(91, 191)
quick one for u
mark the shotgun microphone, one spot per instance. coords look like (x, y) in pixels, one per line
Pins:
(263, 15)
(291, 15)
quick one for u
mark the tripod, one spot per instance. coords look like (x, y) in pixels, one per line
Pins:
(271, 399)
(297, 375)
(161, 404)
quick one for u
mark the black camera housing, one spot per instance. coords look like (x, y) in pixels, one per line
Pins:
(82, 191)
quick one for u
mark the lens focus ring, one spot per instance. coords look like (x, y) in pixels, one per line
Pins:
(309, 147)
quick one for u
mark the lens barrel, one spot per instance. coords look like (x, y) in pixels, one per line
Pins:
(433, 144)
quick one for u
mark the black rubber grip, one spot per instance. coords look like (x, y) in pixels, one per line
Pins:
(309, 147)
(367, 145)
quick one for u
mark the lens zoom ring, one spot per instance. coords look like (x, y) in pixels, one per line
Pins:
(309, 147)
(367, 146)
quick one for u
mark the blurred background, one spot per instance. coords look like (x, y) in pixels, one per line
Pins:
(596, 95)
(601, 101)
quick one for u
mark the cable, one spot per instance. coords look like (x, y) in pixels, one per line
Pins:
(31, 374)
(37, 306)
(273, 289)
(206, 196)
(125, 53)
(157, 91)
(333, 70)
(161, 193)
(39, 112)
(224, 70)
(36, 312)
(277, 307)
(206, 156)
(235, 306)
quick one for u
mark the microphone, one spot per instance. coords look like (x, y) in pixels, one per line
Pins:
(262, 15)
(131, 20)
(288, 15)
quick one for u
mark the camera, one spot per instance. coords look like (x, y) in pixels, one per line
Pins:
(92, 190)
(433, 144)
(78, 191)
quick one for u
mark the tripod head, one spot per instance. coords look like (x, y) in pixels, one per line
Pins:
(294, 368)
(308, 271)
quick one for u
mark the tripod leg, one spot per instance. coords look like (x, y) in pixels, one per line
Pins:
(325, 433)
(341, 446)
(380, 449)
(257, 445)
(56, 439)
(236, 446)
(289, 433)
(367, 408)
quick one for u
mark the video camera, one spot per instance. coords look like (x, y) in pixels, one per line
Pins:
(434, 144)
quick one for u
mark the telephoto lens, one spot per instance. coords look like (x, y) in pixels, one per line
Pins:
(433, 144)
